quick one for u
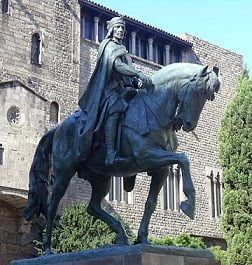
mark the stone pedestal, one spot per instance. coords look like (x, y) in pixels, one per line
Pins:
(129, 255)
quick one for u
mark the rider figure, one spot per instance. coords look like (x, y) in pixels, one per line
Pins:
(108, 91)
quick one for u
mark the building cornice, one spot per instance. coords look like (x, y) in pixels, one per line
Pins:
(136, 23)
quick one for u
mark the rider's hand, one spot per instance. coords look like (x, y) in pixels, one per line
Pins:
(145, 82)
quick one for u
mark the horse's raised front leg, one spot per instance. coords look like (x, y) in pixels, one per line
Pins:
(161, 158)
(157, 181)
(100, 187)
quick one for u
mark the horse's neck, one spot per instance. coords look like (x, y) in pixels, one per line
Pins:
(167, 99)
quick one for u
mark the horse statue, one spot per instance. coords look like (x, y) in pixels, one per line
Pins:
(147, 135)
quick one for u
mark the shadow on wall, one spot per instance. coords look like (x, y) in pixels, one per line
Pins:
(16, 234)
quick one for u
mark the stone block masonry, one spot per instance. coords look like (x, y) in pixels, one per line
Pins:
(134, 255)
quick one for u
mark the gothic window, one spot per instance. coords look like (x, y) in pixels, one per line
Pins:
(117, 193)
(35, 49)
(172, 189)
(215, 192)
(54, 112)
(1, 154)
(5, 6)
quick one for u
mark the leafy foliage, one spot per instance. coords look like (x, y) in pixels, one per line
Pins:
(219, 254)
(182, 240)
(236, 161)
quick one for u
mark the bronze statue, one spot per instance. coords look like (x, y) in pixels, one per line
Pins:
(146, 137)
(113, 83)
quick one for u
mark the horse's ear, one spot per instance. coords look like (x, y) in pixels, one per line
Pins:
(216, 70)
(204, 71)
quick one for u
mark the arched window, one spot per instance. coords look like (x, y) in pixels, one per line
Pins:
(172, 189)
(215, 187)
(5, 6)
(54, 112)
(35, 48)
(1, 154)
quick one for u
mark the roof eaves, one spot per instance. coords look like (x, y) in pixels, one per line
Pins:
(135, 21)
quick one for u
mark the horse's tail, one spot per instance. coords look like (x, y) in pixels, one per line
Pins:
(38, 177)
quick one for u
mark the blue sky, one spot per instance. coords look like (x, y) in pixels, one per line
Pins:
(226, 23)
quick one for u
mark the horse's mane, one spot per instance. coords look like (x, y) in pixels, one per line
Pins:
(175, 71)
(185, 72)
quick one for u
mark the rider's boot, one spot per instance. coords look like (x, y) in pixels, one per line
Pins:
(110, 139)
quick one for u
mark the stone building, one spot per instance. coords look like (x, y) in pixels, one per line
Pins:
(48, 51)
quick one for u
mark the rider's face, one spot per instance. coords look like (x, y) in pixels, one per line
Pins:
(118, 32)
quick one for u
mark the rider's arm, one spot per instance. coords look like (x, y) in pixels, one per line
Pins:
(124, 69)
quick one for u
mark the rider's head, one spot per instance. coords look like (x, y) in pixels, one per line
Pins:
(116, 28)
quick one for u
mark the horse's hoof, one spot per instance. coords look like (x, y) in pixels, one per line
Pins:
(188, 209)
(122, 241)
(48, 252)
(142, 241)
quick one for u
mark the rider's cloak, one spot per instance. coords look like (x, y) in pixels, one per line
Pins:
(93, 102)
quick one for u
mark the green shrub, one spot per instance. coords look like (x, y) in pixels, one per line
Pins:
(236, 161)
(182, 240)
(219, 254)
(164, 241)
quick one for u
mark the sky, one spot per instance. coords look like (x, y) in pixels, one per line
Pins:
(226, 23)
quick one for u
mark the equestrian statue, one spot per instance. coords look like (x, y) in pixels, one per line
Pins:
(126, 124)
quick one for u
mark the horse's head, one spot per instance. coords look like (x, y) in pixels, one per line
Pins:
(192, 97)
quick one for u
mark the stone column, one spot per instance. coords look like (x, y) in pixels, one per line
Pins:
(184, 56)
(121, 190)
(114, 188)
(96, 28)
(150, 46)
(133, 42)
(167, 54)
(83, 27)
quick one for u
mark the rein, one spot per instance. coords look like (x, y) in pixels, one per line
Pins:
(185, 89)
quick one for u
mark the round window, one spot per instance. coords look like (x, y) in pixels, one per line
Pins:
(14, 116)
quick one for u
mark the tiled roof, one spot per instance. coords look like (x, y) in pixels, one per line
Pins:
(134, 21)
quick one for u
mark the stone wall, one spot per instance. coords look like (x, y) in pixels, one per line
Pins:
(22, 119)
(57, 22)
(15, 235)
